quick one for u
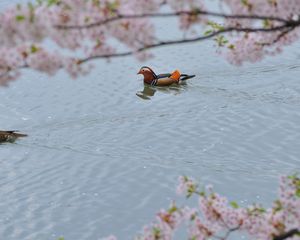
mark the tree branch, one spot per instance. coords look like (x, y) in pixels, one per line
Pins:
(6, 70)
(288, 234)
(284, 28)
(281, 35)
(228, 232)
(190, 40)
(173, 14)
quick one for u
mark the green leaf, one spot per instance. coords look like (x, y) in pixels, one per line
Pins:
(53, 2)
(211, 23)
(172, 209)
(20, 18)
(231, 46)
(234, 205)
(215, 25)
(31, 12)
(113, 6)
(221, 40)
(202, 193)
(260, 210)
(61, 238)
(191, 190)
(156, 232)
(298, 193)
(294, 176)
(193, 217)
(34, 49)
(30, 6)
(208, 32)
(245, 2)
(277, 206)
(266, 23)
(96, 3)
(256, 210)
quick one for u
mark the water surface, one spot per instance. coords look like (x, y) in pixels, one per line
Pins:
(103, 153)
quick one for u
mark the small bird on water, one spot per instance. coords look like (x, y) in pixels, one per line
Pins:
(10, 136)
(165, 79)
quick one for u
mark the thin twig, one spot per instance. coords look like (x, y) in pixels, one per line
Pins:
(227, 234)
(230, 231)
(281, 35)
(8, 70)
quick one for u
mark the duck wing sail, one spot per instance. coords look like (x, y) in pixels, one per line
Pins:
(183, 77)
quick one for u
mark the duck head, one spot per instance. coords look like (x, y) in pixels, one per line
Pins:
(148, 74)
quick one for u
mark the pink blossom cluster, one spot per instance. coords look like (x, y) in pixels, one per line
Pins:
(216, 217)
(273, 8)
(84, 30)
(37, 58)
(254, 46)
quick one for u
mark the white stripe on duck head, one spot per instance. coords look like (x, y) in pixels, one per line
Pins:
(147, 69)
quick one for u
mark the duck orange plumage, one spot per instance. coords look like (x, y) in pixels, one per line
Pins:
(165, 79)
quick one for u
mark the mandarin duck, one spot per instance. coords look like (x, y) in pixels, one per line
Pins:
(10, 136)
(164, 79)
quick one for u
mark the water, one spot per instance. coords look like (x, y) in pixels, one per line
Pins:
(103, 153)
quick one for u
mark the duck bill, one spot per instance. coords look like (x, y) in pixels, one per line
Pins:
(139, 72)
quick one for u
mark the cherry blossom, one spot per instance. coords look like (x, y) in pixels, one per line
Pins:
(49, 35)
(216, 217)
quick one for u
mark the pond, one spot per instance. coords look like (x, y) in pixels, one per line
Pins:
(103, 154)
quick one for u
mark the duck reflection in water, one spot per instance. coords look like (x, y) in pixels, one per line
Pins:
(149, 91)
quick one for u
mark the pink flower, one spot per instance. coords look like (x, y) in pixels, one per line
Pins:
(44, 22)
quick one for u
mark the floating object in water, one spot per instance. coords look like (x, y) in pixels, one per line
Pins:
(10, 136)
(164, 79)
